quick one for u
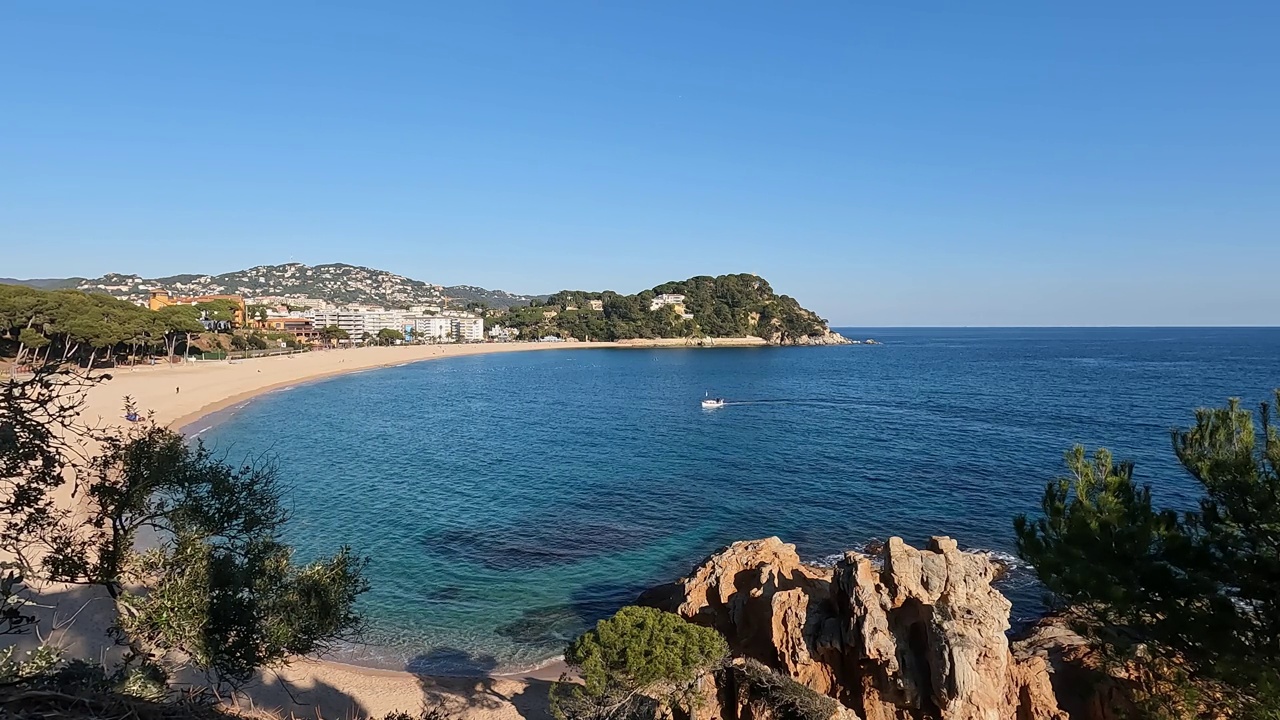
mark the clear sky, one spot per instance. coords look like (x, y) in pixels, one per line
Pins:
(993, 163)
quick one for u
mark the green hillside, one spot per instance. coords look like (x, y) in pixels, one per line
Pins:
(715, 307)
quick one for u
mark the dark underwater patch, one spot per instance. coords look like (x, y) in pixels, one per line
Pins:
(540, 544)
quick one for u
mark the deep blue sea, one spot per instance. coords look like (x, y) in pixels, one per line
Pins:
(509, 500)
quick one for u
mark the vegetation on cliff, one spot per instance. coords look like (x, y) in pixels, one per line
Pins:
(639, 657)
(724, 306)
(1192, 598)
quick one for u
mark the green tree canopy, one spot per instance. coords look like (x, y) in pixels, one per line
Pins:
(73, 326)
(1198, 590)
(724, 306)
(389, 336)
(219, 310)
(215, 585)
(638, 654)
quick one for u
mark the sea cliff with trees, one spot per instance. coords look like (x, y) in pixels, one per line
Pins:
(727, 306)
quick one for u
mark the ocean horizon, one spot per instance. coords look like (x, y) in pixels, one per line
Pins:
(508, 501)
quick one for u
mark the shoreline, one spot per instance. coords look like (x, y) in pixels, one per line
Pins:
(177, 411)
(183, 422)
(180, 396)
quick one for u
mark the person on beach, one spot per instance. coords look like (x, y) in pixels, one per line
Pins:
(177, 390)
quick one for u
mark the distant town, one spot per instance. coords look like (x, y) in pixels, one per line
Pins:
(307, 319)
(291, 308)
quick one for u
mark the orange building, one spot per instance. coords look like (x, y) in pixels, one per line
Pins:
(301, 328)
(162, 298)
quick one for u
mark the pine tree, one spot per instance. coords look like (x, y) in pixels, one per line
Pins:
(1199, 591)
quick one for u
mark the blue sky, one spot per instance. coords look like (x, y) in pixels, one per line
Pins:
(1000, 163)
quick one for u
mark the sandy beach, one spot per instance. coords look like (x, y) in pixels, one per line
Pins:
(178, 396)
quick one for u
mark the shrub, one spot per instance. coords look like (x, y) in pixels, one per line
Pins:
(639, 656)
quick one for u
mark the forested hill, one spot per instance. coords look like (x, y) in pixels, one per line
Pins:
(716, 307)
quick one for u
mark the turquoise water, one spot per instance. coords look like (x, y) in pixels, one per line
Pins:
(509, 500)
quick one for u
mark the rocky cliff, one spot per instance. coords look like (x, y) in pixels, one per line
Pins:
(908, 635)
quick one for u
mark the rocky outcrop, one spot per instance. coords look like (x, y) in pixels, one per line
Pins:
(1086, 688)
(912, 635)
(828, 337)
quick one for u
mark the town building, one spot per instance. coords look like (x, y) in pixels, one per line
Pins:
(597, 305)
(296, 302)
(359, 321)
(433, 328)
(503, 334)
(160, 298)
(675, 302)
(468, 329)
(303, 329)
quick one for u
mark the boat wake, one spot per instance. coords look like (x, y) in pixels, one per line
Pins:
(823, 402)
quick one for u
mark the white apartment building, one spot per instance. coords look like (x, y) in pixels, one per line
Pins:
(351, 322)
(468, 329)
(358, 321)
(433, 329)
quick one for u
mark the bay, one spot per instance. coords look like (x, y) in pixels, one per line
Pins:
(507, 501)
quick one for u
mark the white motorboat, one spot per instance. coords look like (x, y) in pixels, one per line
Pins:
(711, 403)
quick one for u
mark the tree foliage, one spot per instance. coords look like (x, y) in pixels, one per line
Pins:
(639, 655)
(724, 306)
(329, 333)
(40, 326)
(219, 311)
(388, 336)
(214, 583)
(1198, 590)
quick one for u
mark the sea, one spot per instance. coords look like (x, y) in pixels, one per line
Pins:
(508, 501)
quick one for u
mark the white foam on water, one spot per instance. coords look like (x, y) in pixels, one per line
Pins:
(521, 669)
(827, 560)
(1012, 563)
(1008, 560)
